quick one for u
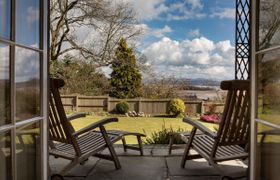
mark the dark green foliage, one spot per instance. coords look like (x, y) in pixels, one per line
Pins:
(125, 78)
(270, 86)
(122, 107)
(163, 136)
(80, 77)
(177, 107)
(4, 101)
(28, 99)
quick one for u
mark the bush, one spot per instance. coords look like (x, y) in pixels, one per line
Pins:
(122, 107)
(177, 107)
(163, 136)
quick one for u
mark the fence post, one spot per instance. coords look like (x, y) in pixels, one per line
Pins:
(77, 103)
(139, 105)
(202, 107)
(108, 103)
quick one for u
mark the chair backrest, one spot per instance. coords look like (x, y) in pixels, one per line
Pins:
(234, 125)
(60, 129)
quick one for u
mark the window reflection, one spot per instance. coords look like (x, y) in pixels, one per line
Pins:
(27, 70)
(269, 23)
(5, 18)
(269, 87)
(27, 22)
(4, 84)
(28, 150)
(268, 152)
(5, 157)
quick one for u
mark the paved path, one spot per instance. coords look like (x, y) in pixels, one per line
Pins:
(154, 165)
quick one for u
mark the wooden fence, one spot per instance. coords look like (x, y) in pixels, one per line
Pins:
(148, 106)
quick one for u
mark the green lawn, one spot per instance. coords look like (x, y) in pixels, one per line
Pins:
(272, 118)
(145, 125)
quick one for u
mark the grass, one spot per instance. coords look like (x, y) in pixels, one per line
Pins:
(146, 125)
(272, 118)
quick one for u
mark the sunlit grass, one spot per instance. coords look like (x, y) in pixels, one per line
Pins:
(145, 125)
(272, 118)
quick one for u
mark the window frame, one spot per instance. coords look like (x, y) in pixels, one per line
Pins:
(43, 55)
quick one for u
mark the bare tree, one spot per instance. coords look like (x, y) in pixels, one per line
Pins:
(90, 28)
(162, 86)
(269, 23)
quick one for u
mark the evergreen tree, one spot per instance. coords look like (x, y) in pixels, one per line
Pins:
(125, 77)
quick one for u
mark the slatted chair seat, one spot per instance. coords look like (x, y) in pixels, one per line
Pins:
(232, 137)
(90, 142)
(204, 144)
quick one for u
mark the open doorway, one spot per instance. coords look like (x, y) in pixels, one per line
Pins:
(191, 53)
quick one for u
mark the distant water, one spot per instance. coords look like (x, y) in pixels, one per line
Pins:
(216, 94)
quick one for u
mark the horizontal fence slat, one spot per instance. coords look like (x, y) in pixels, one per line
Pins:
(148, 106)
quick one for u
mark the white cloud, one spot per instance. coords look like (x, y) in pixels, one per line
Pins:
(27, 65)
(161, 32)
(224, 13)
(32, 15)
(148, 10)
(195, 58)
(160, 9)
(194, 33)
(195, 3)
(188, 9)
(4, 61)
(156, 32)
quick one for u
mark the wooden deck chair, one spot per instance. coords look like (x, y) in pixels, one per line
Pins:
(78, 146)
(233, 133)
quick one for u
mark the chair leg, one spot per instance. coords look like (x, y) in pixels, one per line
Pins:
(171, 141)
(114, 156)
(124, 144)
(140, 145)
(185, 156)
(110, 147)
(187, 149)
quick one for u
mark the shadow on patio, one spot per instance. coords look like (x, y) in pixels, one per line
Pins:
(154, 165)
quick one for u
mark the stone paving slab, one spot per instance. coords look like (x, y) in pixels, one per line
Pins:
(57, 164)
(154, 165)
(192, 168)
(74, 178)
(147, 151)
(196, 178)
(133, 168)
(202, 168)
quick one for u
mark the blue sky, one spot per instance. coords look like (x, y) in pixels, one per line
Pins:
(188, 38)
(216, 27)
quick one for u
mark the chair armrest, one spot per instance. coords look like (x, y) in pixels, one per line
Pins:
(76, 116)
(95, 125)
(201, 127)
(270, 132)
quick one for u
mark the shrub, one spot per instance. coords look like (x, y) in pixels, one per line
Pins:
(212, 108)
(163, 136)
(177, 107)
(122, 107)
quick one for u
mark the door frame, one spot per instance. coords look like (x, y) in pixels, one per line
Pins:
(254, 88)
(253, 75)
(43, 57)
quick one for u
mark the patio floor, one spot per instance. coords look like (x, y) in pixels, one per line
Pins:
(154, 165)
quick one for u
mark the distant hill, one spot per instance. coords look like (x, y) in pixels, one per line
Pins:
(203, 82)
